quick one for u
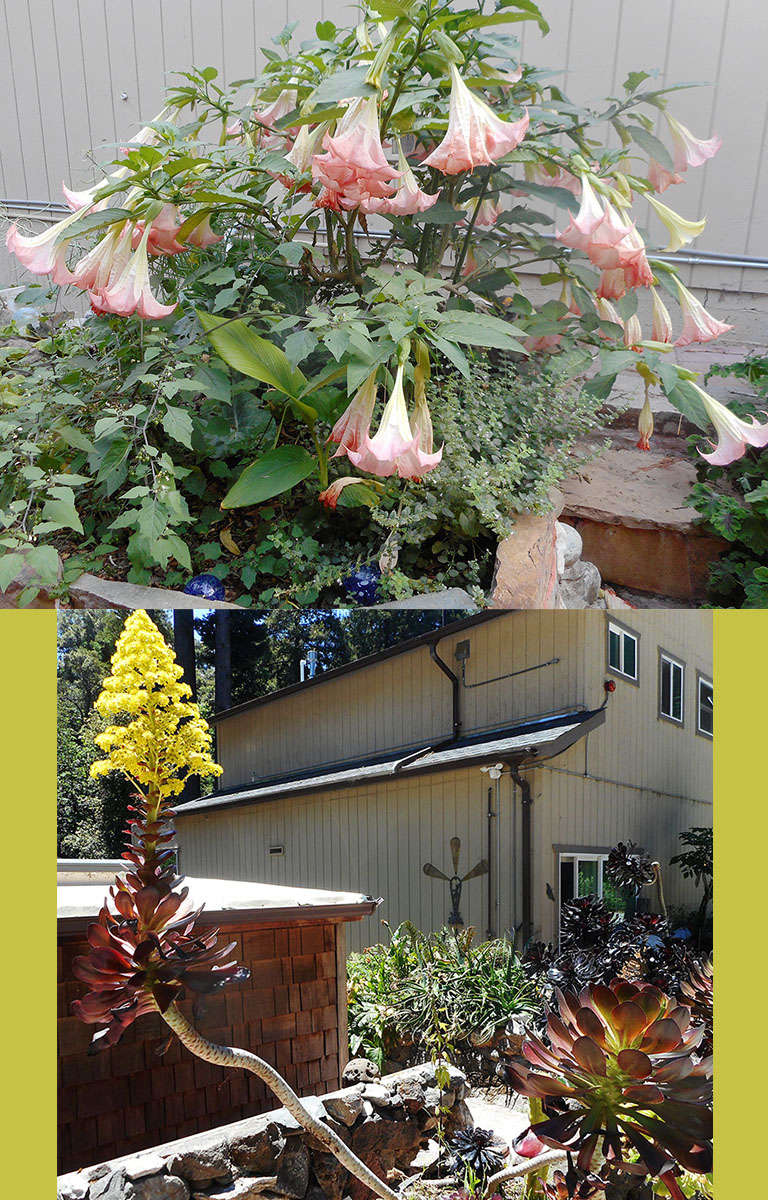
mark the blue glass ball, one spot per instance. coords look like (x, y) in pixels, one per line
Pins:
(362, 584)
(207, 587)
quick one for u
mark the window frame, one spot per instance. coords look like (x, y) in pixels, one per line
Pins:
(612, 625)
(706, 681)
(578, 854)
(666, 655)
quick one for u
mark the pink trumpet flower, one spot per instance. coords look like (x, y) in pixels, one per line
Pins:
(130, 292)
(203, 236)
(698, 324)
(690, 151)
(661, 330)
(44, 253)
(353, 426)
(475, 135)
(330, 497)
(353, 170)
(162, 231)
(660, 178)
(408, 197)
(612, 285)
(645, 425)
(414, 463)
(268, 117)
(104, 263)
(633, 332)
(394, 447)
(733, 433)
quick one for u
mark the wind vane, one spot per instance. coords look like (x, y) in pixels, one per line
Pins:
(456, 881)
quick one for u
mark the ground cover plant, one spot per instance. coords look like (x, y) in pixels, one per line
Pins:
(298, 301)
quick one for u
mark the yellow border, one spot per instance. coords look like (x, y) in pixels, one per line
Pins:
(28, 731)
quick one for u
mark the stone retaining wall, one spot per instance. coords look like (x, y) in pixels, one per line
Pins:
(389, 1124)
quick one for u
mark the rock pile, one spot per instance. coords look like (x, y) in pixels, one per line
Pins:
(387, 1122)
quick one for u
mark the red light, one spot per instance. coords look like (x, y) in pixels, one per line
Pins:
(610, 685)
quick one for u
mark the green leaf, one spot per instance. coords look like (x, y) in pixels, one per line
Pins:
(10, 565)
(95, 220)
(342, 84)
(652, 146)
(356, 495)
(453, 354)
(299, 345)
(556, 195)
(500, 18)
(688, 402)
(60, 510)
(441, 213)
(292, 252)
(45, 561)
(480, 329)
(237, 344)
(634, 79)
(600, 386)
(275, 472)
(177, 423)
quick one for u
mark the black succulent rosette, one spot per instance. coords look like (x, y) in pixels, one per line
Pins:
(480, 1150)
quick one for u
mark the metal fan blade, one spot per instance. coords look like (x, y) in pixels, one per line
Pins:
(455, 852)
(433, 871)
(480, 869)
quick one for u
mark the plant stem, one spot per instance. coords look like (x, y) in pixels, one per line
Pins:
(471, 226)
(662, 903)
(522, 1168)
(230, 1056)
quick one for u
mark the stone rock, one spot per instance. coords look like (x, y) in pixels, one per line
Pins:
(257, 1153)
(381, 1096)
(72, 1189)
(330, 1174)
(202, 1166)
(144, 1164)
(27, 577)
(293, 1170)
(247, 1188)
(426, 1158)
(412, 1094)
(580, 585)
(525, 575)
(444, 1097)
(614, 602)
(345, 1106)
(449, 598)
(458, 1118)
(160, 1187)
(89, 591)
(289, 1124)
(391, 1143)
(112, 1186)
(360, 1070)
(569, 546)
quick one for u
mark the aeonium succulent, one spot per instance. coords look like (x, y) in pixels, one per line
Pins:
(144, 948)
(620, 1078)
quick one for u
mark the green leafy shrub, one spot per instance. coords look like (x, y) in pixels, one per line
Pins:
(733, 501)
(436, 993)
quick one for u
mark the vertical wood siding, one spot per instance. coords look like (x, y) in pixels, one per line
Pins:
(66, 64)
(635, 777)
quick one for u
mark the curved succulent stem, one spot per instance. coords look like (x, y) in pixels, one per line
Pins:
(662, 903)
(230, 1056)
(526, 1167)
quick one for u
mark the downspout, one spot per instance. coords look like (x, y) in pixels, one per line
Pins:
(525, 839)
(455, 686)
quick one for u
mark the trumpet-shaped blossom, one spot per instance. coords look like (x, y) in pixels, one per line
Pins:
(44, 253)
(408, 197)
(661, 330)
(330, 497)
(612, 285)
(202, 235)
(733, 433)
(690, 151)
(395, 447)
(698, 324)
(645, 425)
(660, 178)
(475, 135)
(681, 231)
(608, 242)
(104, 263)
(130, 292)
(268, 117)
(633, 332)
(161, 232)
(354, 168)
(352, 427)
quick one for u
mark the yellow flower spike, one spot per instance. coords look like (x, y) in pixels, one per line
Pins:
(681, 231)
(165, 740)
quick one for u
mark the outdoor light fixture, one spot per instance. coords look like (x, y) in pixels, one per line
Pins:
(495, 771)
(461, 653)
(609, 685)
(308, 666)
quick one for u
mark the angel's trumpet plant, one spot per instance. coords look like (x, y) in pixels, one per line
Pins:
(144, 948)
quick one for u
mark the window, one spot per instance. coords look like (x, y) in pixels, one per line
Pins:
(704, 720)
(582, 874)
(622, 651)
(671, 675)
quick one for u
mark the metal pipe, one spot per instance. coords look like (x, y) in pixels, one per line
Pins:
(509, 675)
(490, 931)
(525, 837)
(454, 685)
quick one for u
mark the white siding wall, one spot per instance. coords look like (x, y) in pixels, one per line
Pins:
(635, 778)
(66, 64)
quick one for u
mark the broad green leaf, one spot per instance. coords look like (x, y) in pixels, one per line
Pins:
(556, 195)
(441, 213)
(45, 561)
(480, 329)
(502, 18)
(237, 344)
(315, 117)
(292, 252)
(600, 386)
(177, 423)
(10, 565)
(355, 495)
(634, 79)
(275, 472)
(60, 510)
(299, 345)
(652, 146)
(342, 84)
(95, 220)
(453, 354)
(688, 402)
